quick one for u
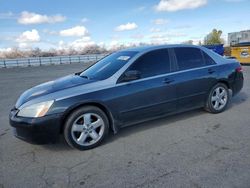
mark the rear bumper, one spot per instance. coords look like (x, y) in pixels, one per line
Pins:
(238, 83)
(42, 130)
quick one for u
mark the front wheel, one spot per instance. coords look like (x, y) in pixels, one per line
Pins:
(86, 128)
(218, 98)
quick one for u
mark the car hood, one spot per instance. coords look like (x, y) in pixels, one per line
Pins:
(50, 87)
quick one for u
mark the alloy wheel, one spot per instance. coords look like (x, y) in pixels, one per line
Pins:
(219, 98)
(87, 129)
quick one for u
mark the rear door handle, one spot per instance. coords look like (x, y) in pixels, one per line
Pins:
(168, 80)
(211, 71)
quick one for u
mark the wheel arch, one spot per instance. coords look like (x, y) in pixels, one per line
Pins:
(99, 105)
(229, 86)
(223, 81)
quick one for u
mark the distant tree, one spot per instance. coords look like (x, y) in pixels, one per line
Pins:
(92, 49)
(142, 44)
(36, 52)
(72, 51)
(62, 52)
(188, 42)
(52, 52)
(214, 38)
(15, 53)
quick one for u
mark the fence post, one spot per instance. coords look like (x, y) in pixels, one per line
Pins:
(50, 59)
(40, 61)
(79, 59)
(4, 63)
(29, 62)
(69, 60)
(60, 60)
(17, 64)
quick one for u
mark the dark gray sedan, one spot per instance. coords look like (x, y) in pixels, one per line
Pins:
(125, 88)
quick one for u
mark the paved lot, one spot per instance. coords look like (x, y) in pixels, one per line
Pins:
(194, 149)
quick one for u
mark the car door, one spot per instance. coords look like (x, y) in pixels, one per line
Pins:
(196, 74)
(152, 95)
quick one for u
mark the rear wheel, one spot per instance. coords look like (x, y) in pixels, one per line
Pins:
(218, 98)
(86, 128)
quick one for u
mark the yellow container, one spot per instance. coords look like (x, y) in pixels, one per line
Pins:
(241, 53)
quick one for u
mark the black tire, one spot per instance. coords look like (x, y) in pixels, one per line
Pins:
(210, 105)
(69, 136)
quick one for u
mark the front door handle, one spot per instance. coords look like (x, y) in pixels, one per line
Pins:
(168, 80)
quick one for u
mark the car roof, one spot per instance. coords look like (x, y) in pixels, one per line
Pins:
(144, 49)
(155, 47)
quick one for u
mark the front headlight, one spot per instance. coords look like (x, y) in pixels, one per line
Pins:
(35, 110)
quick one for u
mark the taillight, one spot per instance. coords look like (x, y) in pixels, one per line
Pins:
(239, 69)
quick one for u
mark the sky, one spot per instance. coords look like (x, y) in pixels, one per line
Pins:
(62, 24)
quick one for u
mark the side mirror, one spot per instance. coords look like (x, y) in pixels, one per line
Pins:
(131, 75)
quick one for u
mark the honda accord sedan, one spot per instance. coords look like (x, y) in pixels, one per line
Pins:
(125, 88)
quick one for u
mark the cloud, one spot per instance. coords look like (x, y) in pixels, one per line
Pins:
(29, 36)
(155, 30)
(113, 45)
(102, 44)
(5, 49)
(77, 44)
(62, 45)
(81, 43)
(159, 39)
(175, 5)
(50, 32)
(24, 45)
(170, 36)
(158, 36)
(167, 34)
(126, 27)
(77, 31)
(84, 20)
(27, 18)
(160, 21)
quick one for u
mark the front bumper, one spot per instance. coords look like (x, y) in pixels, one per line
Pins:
(41, 130)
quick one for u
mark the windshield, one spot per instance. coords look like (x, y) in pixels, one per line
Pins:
(108, 66)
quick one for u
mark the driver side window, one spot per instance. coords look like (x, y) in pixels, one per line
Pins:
(152, 63)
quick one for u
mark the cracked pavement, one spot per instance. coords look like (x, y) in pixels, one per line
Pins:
(192, 149)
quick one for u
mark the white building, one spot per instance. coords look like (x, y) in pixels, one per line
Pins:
(238, 37)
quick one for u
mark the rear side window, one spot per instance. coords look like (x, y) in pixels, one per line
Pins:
(188, 58)
(208, 60)
(152, 63)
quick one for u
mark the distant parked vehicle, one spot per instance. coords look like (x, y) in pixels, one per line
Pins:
(124, 88)
(241, 52)
(217, 48)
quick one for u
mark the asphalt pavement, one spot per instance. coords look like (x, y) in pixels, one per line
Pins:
(192, 149)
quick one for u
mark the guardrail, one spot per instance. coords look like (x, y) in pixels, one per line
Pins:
(55, 60)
